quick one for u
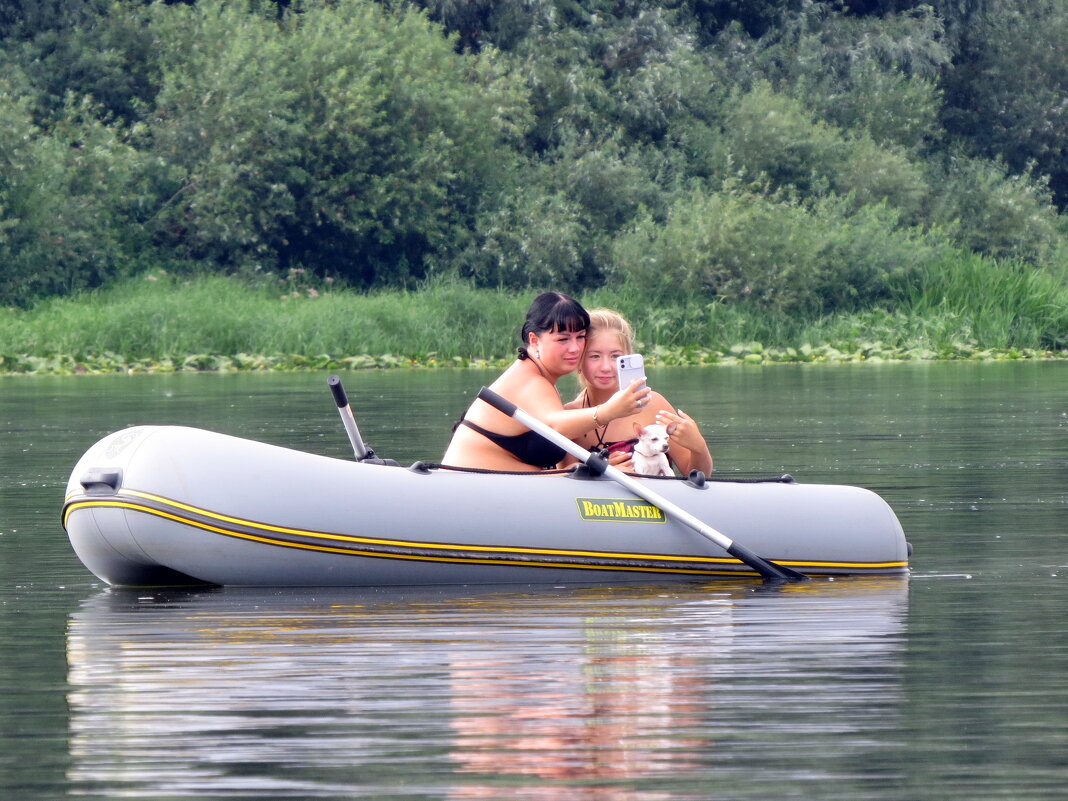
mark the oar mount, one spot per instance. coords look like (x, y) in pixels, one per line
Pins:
(360, 449)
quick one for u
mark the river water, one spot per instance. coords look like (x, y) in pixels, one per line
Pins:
(949, 684)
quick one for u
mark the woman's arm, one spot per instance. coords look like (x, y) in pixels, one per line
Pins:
(540, 399)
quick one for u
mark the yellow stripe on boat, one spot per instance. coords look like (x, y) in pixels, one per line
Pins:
(74, 505)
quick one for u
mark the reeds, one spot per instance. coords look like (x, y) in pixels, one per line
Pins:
(170, 319)
(966, 308)
(996, 304)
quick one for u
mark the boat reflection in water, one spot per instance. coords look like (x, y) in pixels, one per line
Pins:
(641, 693)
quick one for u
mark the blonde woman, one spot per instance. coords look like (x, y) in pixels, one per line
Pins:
(608, 337)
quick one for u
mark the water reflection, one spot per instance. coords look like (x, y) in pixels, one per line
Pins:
(640, 693)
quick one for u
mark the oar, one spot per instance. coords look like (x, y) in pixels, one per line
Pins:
(347, 419)
(768, 570)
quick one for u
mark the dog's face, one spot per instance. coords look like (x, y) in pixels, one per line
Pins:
(653, 438)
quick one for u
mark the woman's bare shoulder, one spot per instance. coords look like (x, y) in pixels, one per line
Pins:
(658, 401)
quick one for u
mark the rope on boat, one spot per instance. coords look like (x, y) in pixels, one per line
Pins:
(425, 467)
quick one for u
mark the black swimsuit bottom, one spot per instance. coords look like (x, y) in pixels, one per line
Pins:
(529, 447)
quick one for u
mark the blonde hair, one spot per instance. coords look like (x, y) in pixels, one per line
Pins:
(606, 321)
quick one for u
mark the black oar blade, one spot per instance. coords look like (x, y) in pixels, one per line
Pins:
(769, 570)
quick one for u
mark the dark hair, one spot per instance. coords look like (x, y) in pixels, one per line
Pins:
(552, 311)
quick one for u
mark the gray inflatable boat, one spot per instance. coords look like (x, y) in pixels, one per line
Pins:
(167, 505)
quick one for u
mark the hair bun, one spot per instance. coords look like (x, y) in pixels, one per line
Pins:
(521, 351)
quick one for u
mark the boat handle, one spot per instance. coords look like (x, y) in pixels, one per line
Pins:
(102, 480)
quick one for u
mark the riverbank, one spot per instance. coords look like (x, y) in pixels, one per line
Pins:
(753, 354)
(157, 324)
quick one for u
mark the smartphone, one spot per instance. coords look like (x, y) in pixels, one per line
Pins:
(629, 368)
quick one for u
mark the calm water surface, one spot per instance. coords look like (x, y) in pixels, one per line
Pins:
(952, 684)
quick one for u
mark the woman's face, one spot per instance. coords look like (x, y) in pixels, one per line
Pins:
(599, 361)
(560, 352)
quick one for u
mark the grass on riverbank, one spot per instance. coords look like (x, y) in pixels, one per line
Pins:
(156, 323)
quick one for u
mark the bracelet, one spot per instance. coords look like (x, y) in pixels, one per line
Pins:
(596, 422)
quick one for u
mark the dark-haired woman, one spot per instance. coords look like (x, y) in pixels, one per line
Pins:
(554, 335)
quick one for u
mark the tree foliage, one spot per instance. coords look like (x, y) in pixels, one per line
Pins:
(1007, 95)
(790, 153)
(65, 200)
(349, 140)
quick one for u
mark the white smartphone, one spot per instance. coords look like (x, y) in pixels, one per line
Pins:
(629, 368)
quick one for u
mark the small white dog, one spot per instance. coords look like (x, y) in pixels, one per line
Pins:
(650, 452)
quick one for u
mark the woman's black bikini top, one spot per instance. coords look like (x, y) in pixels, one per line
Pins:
(529, 447)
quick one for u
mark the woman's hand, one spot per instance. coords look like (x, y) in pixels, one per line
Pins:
(687, 435)
(626, 402)
(686, 432)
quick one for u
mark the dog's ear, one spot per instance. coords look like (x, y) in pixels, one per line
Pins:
(638, 430)
(671, 428)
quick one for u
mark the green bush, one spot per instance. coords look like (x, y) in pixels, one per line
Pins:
(872, 174)
(990, 211)
(893, 108)
(85, 48)
(739, 246)
(555, 229)
(529, 239)
(64, 201)
(770, 134)
(347, 139)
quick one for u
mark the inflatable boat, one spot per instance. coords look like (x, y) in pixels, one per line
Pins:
(169, 505)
